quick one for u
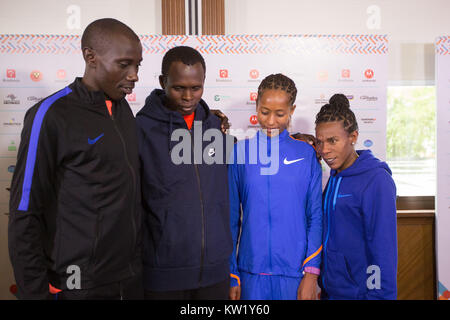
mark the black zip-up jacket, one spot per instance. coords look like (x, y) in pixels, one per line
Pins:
(186, 234)
(75, 195)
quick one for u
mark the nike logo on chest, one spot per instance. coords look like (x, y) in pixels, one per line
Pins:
(92, 141)
(286, 161)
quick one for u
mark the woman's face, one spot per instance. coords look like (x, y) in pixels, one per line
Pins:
(274, 111)
(336, 145)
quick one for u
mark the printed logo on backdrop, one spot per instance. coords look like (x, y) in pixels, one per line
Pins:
(253, 123)
(322, 76)
(36, 75)
(12, 146)
(221, 97)
(252, 98)
(368, 120)
(132, 99)
(369, 75)
(253, 119)
(368, 98)
(34, 99)
(10, 73)
(254, 76)
(321, 100)
(12, 123)
(11, 99)
(61, 76)
(368, 143)
(345, 76)
(10, 76)
(223, 76)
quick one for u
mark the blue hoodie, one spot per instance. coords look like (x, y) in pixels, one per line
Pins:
(187, 239)
(360, 232)
(282, 211)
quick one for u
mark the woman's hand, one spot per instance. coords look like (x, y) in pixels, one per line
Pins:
(307, 289)
(235, 293)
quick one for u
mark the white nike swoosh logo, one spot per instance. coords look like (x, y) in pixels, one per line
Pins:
(286, 161)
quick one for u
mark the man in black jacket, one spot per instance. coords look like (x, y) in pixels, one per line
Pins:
(187, 239)
(75, 216)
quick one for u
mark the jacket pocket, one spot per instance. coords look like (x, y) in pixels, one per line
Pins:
(218, 233)
(338, 281)
(179, 245)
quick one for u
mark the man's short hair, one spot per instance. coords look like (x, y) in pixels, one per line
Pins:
(189, 56)
(98, 33)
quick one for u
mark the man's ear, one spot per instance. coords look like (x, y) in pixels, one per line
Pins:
(162, 82)
(89, 57)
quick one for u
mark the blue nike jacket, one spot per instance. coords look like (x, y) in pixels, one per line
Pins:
(360, 232)
(281, 202)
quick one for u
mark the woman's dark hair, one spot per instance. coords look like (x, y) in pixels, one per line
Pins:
(338, 109)
(279, 81)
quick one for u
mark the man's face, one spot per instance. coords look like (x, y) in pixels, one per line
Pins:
(183, 86)
(117, 67)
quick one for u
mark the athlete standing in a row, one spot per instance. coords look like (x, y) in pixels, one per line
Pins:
(281, 239)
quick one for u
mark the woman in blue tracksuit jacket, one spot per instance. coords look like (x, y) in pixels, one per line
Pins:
(278, 237)
(360, 231)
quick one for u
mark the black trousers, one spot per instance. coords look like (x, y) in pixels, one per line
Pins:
(128, 289)
(218, 291)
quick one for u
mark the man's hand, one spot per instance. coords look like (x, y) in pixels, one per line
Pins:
(308, 287)
(235, 293)
(225, 125)
(309, 139)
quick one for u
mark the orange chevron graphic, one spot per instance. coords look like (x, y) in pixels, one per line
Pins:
(222, 44)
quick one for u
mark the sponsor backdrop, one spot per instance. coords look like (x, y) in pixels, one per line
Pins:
(443, 165)
(34, 66)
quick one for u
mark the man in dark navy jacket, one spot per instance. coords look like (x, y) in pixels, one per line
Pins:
(186, 237)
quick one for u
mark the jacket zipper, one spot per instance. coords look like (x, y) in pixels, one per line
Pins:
(270, 211)
(329, 193)
(97, 235)
(133, 223)
(197, 174)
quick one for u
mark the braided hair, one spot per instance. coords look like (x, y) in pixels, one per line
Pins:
(338, 109)
(281, 82)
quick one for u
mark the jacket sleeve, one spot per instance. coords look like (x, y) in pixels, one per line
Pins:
(314, 219)
(380, 223)
(235, 216)
(31, 190)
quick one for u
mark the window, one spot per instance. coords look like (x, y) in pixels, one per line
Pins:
(411, 137)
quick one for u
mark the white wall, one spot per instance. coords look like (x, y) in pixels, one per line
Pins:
(412, 26)
(72, 16)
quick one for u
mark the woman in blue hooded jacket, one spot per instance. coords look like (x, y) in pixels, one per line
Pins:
(359, 205)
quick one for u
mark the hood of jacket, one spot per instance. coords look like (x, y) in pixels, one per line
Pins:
(155, 109)
(365, 162)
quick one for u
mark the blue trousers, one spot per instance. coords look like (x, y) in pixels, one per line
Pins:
(268, 287)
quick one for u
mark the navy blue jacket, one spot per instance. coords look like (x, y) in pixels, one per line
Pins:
(187, 238)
